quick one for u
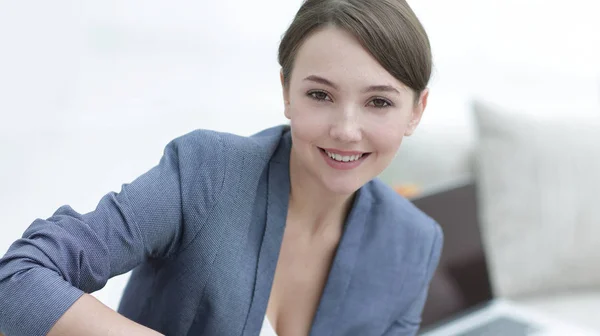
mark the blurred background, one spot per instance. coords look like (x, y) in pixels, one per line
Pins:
(92, 91)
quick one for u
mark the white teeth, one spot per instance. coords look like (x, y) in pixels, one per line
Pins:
(341, 158)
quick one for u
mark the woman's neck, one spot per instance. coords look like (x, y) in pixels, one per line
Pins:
(312, 206)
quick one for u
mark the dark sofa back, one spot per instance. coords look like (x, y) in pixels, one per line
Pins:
(461, 280)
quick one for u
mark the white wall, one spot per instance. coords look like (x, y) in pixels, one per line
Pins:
(90, 92)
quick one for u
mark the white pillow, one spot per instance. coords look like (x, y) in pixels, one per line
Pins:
(539, 190)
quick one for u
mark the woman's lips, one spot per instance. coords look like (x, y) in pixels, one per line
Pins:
(343, 160)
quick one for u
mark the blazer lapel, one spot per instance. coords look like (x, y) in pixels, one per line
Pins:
(342, 268)
(278, 191)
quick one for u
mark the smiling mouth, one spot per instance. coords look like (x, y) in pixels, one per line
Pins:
(344, 158)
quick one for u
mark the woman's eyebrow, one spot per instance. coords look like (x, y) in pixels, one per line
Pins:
(381, 88)
(372, 88)
(321, 80)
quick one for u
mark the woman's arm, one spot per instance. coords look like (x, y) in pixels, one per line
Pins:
(90, 317)
(46, 272)
(61, 258)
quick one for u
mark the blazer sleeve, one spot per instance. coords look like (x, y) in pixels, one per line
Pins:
(410, 322)
(68, 254)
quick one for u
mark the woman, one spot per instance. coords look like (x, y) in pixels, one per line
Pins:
(286, 232)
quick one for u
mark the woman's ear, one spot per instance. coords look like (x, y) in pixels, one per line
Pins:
(417, 113)
(286, 95)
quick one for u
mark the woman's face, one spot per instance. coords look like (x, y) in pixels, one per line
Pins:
(348, 114)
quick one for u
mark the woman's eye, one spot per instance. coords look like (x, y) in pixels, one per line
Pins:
(380, 103)
(319, 95)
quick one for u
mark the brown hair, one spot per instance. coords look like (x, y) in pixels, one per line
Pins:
(388, 29)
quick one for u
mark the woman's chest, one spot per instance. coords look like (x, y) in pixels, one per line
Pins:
(312, 287)
(301, 274)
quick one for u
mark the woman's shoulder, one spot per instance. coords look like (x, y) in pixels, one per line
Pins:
(400, 216)
(208, 143)
(212, 161)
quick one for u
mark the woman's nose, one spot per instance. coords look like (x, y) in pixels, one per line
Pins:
(346, 126)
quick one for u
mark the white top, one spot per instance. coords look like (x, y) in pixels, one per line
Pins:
(267, 328)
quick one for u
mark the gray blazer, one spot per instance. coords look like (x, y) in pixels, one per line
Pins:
(202, 232)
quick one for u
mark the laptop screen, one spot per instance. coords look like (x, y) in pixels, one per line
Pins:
(461, 281)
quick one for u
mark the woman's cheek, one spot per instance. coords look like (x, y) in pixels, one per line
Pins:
(387, 137)
(310, 119)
